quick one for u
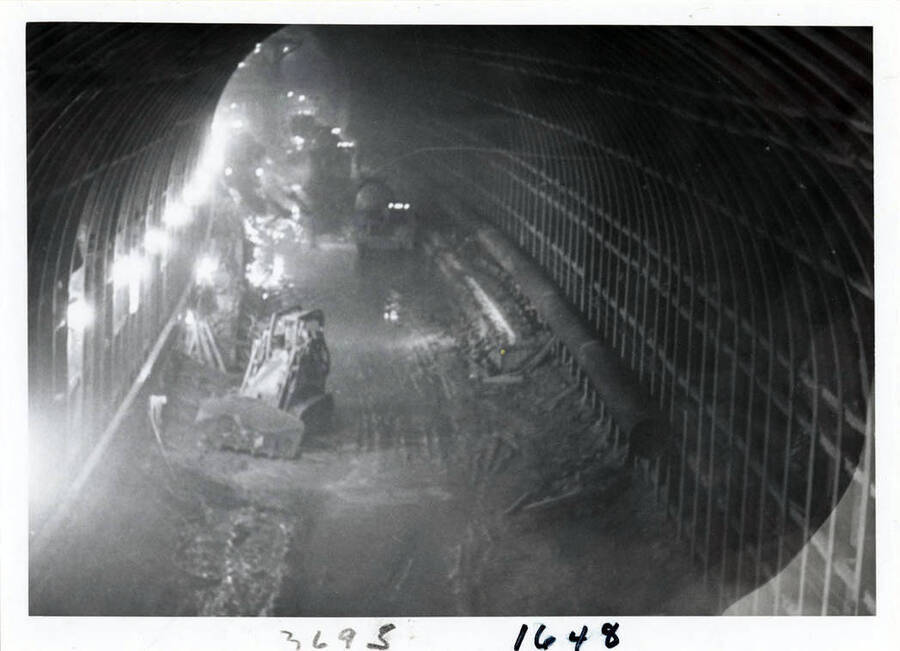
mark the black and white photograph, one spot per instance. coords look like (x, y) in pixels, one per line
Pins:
(414, 318)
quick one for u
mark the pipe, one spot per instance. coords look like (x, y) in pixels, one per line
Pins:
(628, 402)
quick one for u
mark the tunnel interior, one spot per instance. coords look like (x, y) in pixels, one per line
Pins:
(699, 202)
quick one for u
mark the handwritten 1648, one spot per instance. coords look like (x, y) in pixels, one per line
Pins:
(544, 640)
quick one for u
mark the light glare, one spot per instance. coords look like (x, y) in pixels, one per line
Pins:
(177, 214)
(193, 192)
(156, 241)
(128, 270)
(205, 269)
(79, 314)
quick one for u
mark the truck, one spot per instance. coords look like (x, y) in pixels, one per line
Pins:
(381, 222)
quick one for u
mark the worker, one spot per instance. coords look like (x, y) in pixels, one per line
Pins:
(313, 361)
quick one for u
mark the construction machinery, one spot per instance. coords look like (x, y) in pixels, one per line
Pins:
(282, 395)
(380, 221)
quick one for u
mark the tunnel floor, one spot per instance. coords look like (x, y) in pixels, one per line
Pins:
(412, 506)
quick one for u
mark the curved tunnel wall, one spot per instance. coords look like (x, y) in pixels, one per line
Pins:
(703, 197)
(117, 117)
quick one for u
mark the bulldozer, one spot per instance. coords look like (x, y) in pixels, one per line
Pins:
(282, 395)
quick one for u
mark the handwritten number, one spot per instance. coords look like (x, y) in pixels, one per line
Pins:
(581, 638)
(547, 641)
(609, 630)
(316, 644)
(384, 630)
(346, 636)
(521, 637)
(290, 638)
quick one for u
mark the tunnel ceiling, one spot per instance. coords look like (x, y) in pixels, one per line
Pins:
(772, 127)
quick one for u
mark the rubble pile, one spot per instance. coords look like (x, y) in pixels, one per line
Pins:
(234, 560)
(248, 425)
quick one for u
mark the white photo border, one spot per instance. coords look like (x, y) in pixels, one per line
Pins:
(21, 631)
